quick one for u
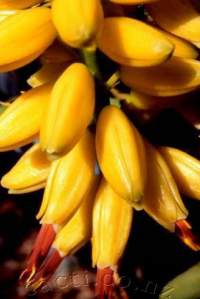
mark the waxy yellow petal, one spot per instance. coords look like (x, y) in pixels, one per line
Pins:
(70, 110)
(185, 170)
(24, 34)
(18, 4)
(112, 218)
(78, 230)
(178, 17)
(174, 77)
(48, 72)
(21, 121)
(162, 200)
(77, 22)
(121, 155)
(29, 173)
(69, 181)
(134, 43)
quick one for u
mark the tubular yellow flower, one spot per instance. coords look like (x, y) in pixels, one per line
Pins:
(21, 121)
(77, 22)
(29, 173)
(178, 17)
(18, 63)
(121, 155)
(69, 238)
(162, 200)
(69, 112)
(112, 218)
(146, 47)
(70, 179)
(174, 77)
(18, 4)
(31, 32)
(48, 72)
(182, 48)
(185, 169)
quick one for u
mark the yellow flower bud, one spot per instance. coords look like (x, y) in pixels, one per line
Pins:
(182, 48)
(21, 121)
(185, 169)
(178, 17)
(162, 200)
(28, 32)
(48, 72)
(29, 173)
(78, 22)
(174, 77)
(134, 43)
(112, 218)
(69, 180)
(69, 238)
(69, 112)
(121, 155)
(18, 4)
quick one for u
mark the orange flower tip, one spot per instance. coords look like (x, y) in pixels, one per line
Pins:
(184, 231)
(46, 270)
(42, 244)
(104, 283)
(27, 275)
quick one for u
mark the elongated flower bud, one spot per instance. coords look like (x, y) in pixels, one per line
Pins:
(182, 48)
(115, 42)
(69, 238)
(162, 200)
(178, 17)
(185, 170)
(112, 218)
(70, 179)
(29, 31)
(21, 121)
(174, 77)
(70, 110)
(29, 173)
(18, 63)
(17, 4)
(121, 155)
(54, 242)
(77, 22)
(48, 72)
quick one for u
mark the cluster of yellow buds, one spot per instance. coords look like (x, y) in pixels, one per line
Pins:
(95, 166)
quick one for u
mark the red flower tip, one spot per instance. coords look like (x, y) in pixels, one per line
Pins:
(184, 231)
(105, 283)
(42, 244)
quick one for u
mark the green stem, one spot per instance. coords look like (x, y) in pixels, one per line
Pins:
(184, 286)
(90, 59)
